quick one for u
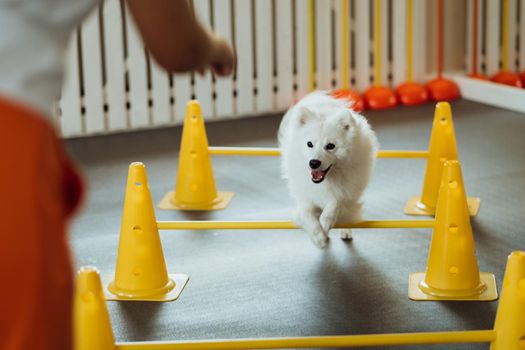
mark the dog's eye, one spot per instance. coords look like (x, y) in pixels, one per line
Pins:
(329, 146)
(310, 144)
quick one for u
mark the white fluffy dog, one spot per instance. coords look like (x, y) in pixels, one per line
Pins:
(328, 154)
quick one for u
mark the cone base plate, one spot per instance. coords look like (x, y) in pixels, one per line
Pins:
(224, 199)
(180, 280)
(412, 207)
(414, 293)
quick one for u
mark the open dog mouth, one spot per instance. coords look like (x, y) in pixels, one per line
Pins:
(319, 175)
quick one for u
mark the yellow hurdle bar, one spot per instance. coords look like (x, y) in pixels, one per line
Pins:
(320, 342)
(284, 225)
(275, 152)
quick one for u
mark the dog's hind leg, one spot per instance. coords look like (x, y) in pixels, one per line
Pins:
(346, 234)
(351, 214)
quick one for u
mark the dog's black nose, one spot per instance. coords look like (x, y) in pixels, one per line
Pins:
(314, 163)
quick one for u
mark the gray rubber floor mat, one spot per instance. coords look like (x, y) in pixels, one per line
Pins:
(276, 283)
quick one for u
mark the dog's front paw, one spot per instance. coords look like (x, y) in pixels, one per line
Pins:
(320, 239)
(327, 222)
(346, 235)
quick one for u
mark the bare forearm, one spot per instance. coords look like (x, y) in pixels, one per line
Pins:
(171, 33)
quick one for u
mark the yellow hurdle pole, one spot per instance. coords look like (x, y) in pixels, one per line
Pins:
(409, 39)
(402, 154)
(311, 46)
(284, 225)
(344, 44)
(245, 151)
(275, 152)
(320, 342)
(505, 39)
(377, 42)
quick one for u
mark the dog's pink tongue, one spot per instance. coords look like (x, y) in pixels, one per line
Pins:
(317, 174)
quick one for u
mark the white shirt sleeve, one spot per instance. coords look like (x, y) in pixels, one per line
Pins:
(33, 39)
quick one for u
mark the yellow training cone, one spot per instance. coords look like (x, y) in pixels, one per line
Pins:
(442, 147)
(452, 269)
(91, 324)
(195, 188)
(141, 271)
(510, 318)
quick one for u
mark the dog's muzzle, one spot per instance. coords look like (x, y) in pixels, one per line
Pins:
(318, 176)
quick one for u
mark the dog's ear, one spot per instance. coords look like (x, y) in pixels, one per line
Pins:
(304, 115)
(345, 119)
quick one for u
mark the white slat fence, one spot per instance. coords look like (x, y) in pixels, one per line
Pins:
(114, 85)
(490, 29)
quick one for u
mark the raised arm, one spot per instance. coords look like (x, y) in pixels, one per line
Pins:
(176, 39)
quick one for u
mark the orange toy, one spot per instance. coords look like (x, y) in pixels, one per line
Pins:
(357, 102)
(506, 77)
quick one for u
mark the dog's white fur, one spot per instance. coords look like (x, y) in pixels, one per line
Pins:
(320, 119)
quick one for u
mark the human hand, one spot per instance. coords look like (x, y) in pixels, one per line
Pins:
(178, 41)
(221, 58)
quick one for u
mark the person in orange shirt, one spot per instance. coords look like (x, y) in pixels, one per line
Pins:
(40, 186)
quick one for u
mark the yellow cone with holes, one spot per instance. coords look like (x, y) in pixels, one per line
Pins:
(510, 318)
(141, 270)
(195, 188)
(452, 269)
(91, 324)
(442, 147)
